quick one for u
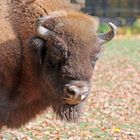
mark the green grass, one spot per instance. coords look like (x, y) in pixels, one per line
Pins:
(129, 48)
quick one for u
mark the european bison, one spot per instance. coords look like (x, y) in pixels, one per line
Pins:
(46, 61)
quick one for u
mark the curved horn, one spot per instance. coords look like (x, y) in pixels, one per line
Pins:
(105, 37)
(40, 30)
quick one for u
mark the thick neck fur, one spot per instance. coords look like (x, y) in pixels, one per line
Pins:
(23, 13)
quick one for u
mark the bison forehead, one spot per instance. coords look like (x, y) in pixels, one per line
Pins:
(75, 34)
(76, 29)
(78, 43)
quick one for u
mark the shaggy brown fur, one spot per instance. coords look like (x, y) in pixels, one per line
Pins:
(22, 91)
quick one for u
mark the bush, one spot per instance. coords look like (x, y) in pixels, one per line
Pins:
(104, 27)
(136, 26)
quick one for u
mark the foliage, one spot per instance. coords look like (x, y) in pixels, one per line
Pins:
(104, 27)
(130, 30)
(136, 26)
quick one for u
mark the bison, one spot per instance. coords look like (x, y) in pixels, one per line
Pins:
(47, 56)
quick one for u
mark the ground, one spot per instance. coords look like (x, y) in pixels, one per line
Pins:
(112, 111)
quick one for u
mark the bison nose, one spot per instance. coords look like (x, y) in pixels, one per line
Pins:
(75, 92)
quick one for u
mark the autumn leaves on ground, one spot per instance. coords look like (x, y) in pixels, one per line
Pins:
(112, 111)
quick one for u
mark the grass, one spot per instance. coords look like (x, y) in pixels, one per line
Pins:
(112, 111)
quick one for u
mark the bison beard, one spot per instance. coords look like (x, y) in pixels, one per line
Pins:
(68, 112)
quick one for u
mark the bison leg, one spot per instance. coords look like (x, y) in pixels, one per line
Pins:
(1, 125)
(4, 109)
(4, 115)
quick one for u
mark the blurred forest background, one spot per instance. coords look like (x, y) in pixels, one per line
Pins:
(123, 13)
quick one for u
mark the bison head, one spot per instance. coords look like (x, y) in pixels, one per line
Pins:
(68, 47)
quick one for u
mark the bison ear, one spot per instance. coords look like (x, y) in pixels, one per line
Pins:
(106, 37)
(38, 46)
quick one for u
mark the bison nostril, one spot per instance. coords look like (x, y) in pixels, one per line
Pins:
(71, 91)
(75, 92)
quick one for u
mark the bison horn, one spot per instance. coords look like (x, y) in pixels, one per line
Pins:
(105, 37)
(42, 31)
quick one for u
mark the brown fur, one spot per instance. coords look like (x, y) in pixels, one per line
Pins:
(20, 84)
